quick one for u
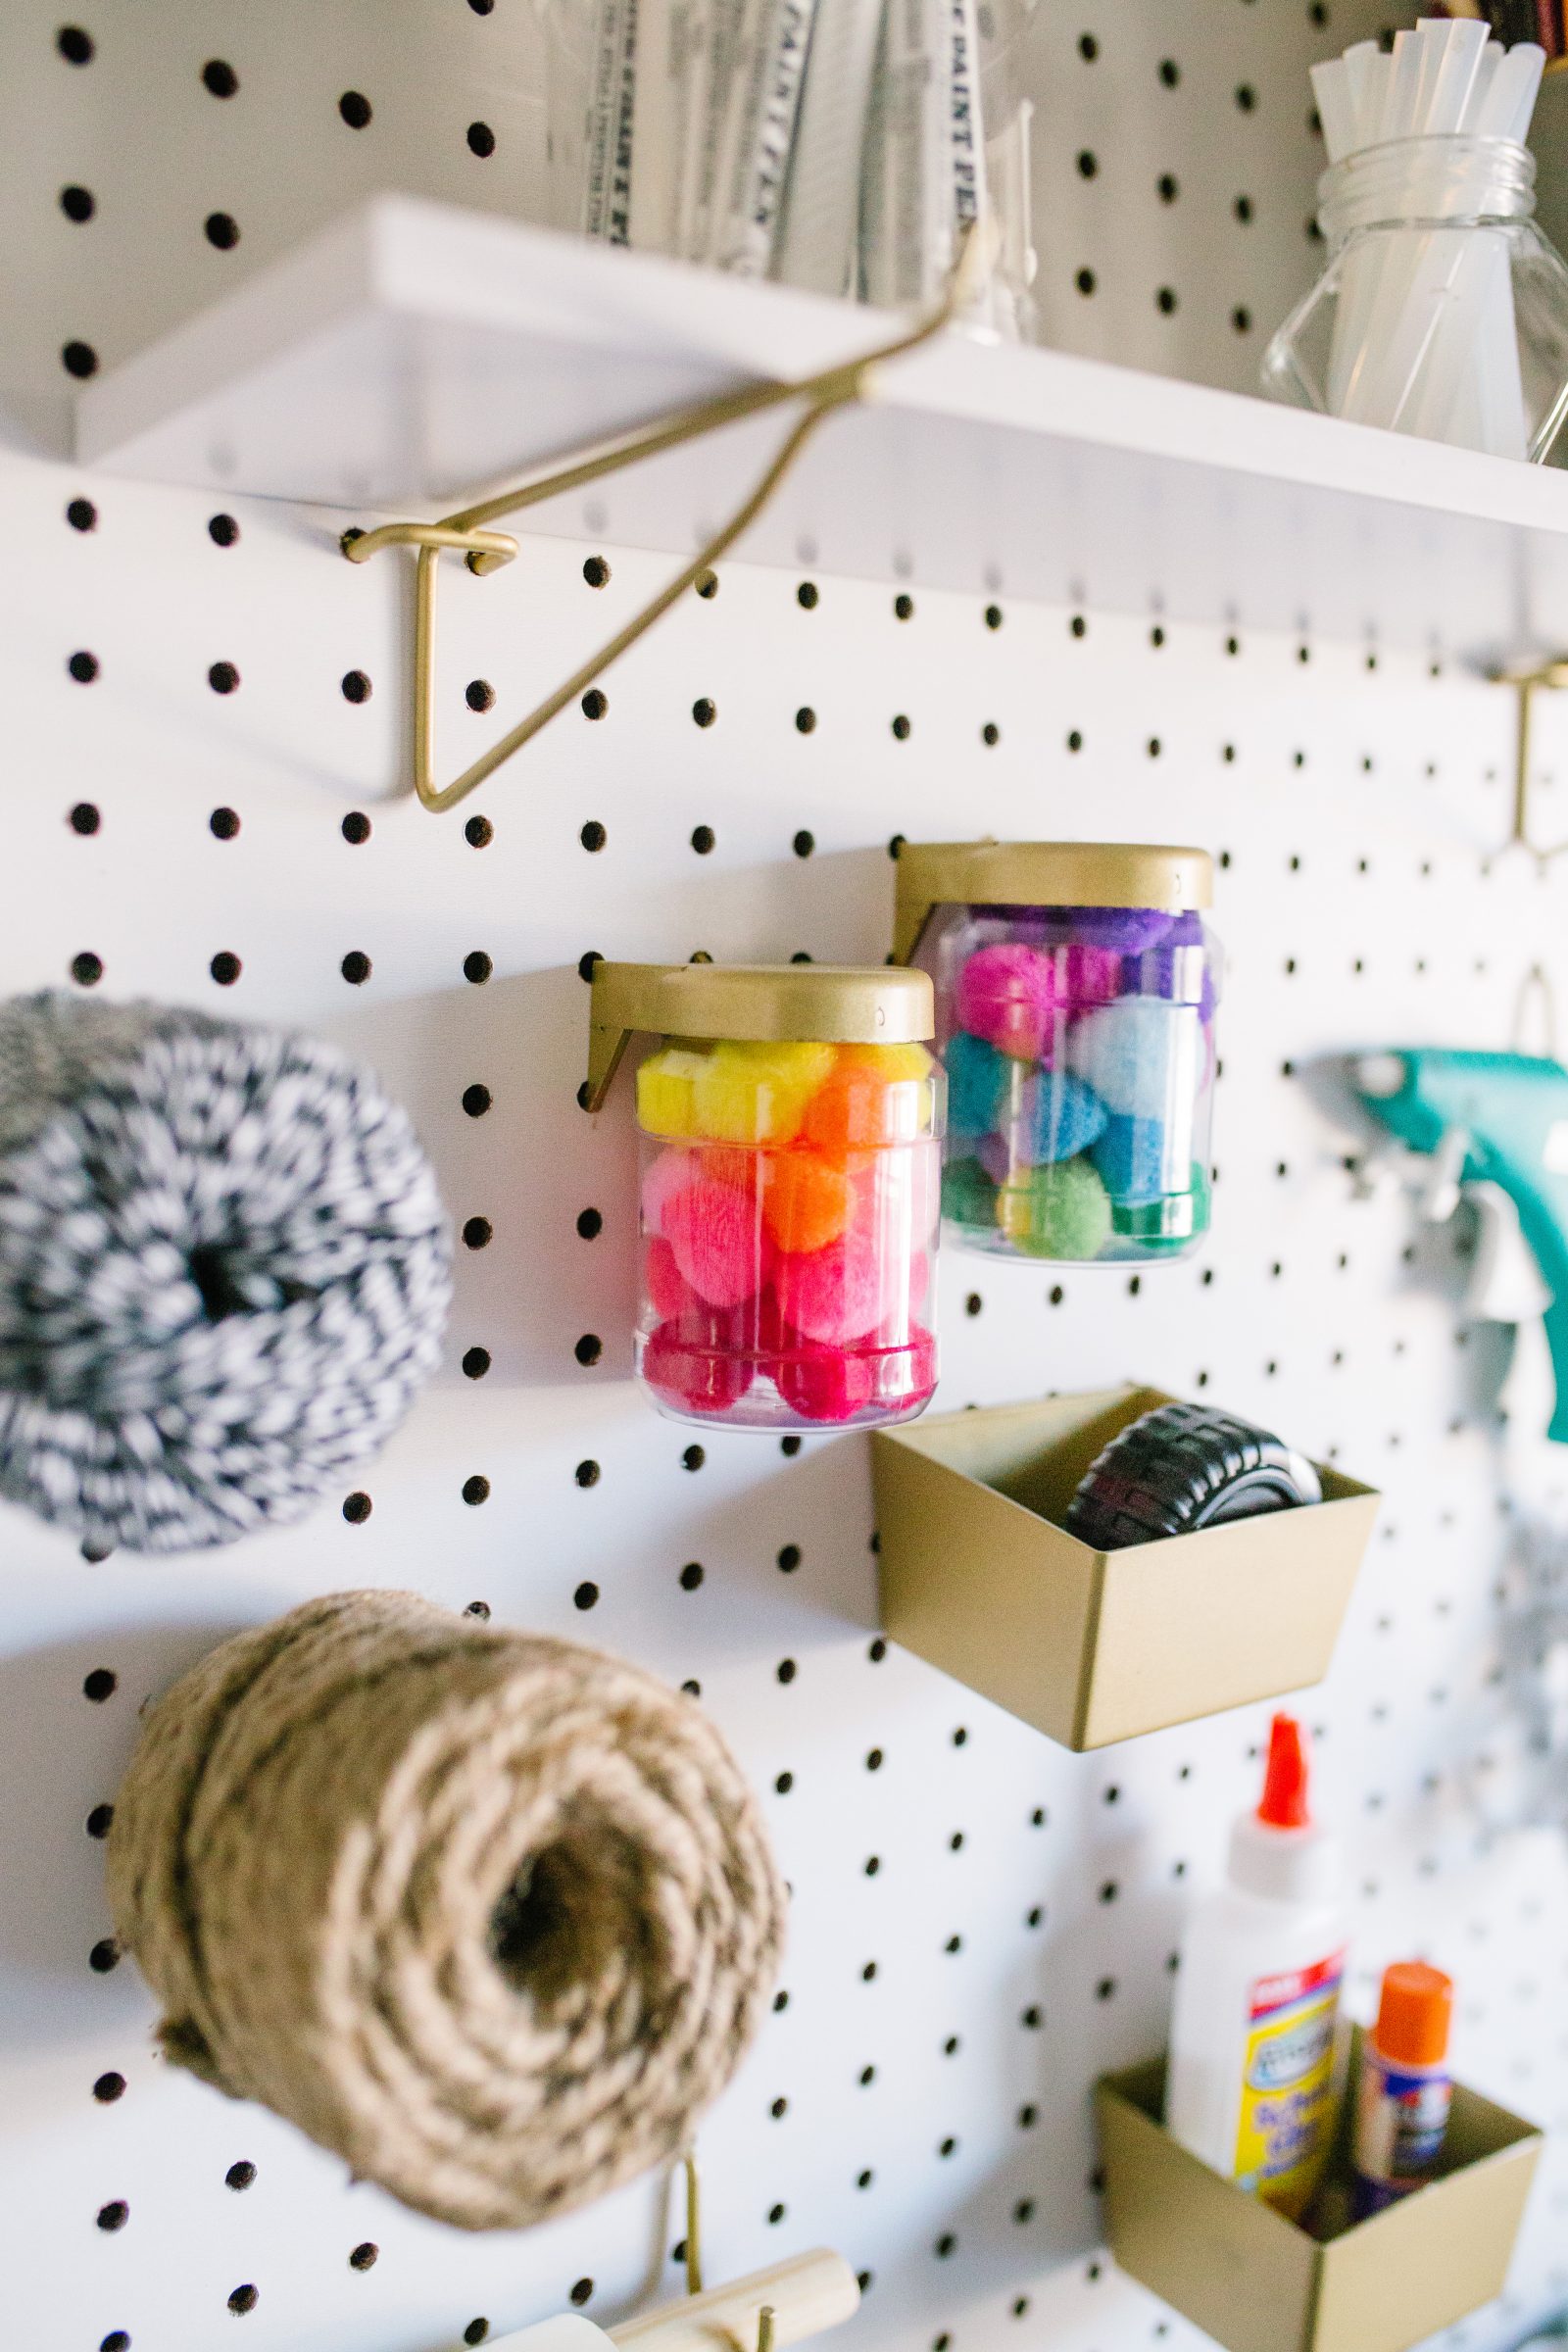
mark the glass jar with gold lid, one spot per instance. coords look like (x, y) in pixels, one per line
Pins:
(790, 1181)
(1076, 985)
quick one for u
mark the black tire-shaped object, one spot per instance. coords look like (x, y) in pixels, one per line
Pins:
(1181, 1467)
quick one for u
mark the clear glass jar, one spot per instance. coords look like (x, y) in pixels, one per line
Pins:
(789, 1193)
(1443, 310)
(1076, 986)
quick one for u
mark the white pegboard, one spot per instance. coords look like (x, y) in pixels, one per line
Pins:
(921, 2099)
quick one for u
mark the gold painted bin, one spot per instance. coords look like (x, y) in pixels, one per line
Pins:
(978, 1577)
(1258, 2282)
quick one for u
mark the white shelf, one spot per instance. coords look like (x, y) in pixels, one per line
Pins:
(418, 354)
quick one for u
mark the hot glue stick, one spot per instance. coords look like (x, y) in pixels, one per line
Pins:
(1401, 2109)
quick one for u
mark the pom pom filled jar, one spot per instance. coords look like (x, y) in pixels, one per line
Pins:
(1075, 992)
(790, 1189)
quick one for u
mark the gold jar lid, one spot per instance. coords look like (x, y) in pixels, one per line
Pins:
(1045, 874)
(766, 1003)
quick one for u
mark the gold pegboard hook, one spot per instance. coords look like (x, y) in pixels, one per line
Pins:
(485, 551)
(1528, 683)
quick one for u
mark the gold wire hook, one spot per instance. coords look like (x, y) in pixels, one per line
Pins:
(764, 2329)
(1527, 683)
(485, 551)
(694, 2222)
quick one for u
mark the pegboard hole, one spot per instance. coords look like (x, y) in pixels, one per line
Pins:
(582, 2291)
(108, 2088)
(593, 836)
(785, 1670)
(84, 819)
(479, 1609)
(86, 970)
(364, 2257)
(589, 1348)
(804, 844)
(100, 1821)
(707, 585)
(789, 1560)
(84, 667)
(477, 1233)
(691, 1576)
(807, 596)
(224, 677)
(476, 1100)
(475, 1363)
(479, 695)
(223, 230)
(77, 203)
(903, 606)
(475, 1490)
(104, 1956)
(806, 721)
(704, 712)
(482, 139)
(477, 2330)
(75, 45)
(783, 1783)
(1167, 187)
(1170, 73)
(595, 702)
(115, 2215)
(79, 359)
(82, 515)
(244, 2299)
(357, 1509)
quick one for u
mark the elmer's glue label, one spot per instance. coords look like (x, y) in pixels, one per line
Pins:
(1287, 2112)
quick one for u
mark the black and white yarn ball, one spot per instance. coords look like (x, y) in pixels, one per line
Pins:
(225, 1271)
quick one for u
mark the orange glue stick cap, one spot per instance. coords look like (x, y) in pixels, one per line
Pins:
(1284, 1805)
(1414, 2014)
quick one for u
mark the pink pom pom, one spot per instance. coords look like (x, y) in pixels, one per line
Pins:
(690, 1377)
(664, 1285)
(718, 1242)
(1009, 995)
(673, 1171)
(825, 1384)
(1017, 997)
(839, 1292)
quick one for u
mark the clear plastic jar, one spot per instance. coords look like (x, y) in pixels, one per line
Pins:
(790, 1187)
(1076, 986)
(1443, 310)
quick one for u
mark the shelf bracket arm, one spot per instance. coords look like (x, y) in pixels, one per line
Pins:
(485, 551)
(1527, 683)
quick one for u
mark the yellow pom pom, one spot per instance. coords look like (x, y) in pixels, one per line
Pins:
(665, 1086)
(756, 1093)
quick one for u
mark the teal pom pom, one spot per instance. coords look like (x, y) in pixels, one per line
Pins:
(976, 1076)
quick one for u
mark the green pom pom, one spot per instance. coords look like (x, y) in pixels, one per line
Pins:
(968, 1196)
(1169, 1224)
(1062, 1211)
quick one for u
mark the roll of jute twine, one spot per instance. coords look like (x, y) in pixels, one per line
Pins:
(491, 1915)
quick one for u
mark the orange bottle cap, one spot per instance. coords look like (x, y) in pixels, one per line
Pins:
(1414, 2014)
(1284, 1805)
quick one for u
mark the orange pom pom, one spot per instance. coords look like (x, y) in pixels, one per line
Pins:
(807, 1201)
(875, 1094)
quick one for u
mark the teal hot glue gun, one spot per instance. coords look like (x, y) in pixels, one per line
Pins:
(1496, 1122)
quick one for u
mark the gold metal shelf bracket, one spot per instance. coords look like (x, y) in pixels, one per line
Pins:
(1528, 683)
(485, 551)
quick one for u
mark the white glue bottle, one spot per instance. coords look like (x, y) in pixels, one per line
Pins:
(1251, 2082)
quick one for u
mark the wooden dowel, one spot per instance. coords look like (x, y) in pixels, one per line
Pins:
(808, 2294)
